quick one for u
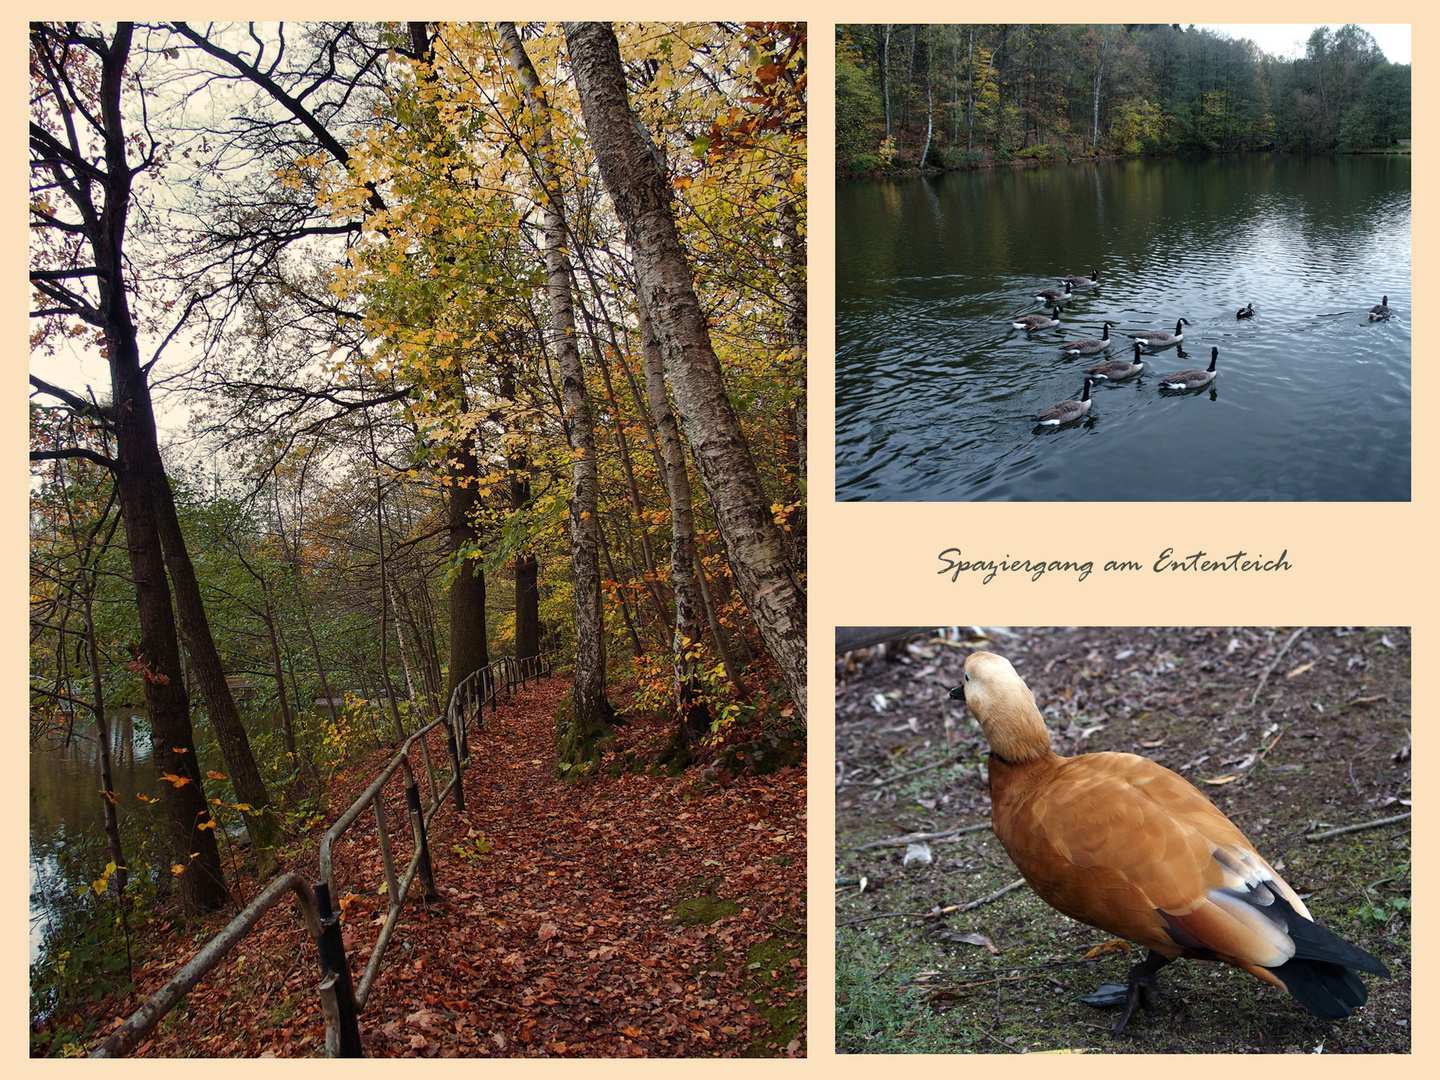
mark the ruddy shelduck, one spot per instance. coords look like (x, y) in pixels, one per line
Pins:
(1127, 846)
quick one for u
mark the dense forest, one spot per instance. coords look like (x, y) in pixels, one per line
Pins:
(426, 344)
(967, 96)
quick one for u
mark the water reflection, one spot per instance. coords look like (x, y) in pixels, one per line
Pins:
(936, 392)
(65, 801)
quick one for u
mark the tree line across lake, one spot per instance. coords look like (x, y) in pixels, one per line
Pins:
(967, 96)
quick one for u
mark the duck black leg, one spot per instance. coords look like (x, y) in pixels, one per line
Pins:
(1143, 986)
(1139, 991)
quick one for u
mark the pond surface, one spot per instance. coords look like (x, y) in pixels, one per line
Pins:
(936, 394)
(65, 800)
(66, 813)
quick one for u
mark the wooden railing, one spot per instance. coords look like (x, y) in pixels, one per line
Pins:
(341, 1000)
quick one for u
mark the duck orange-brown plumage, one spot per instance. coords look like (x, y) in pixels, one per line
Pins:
(1125, 845)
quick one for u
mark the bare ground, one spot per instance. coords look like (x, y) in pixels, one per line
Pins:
(1288, 735)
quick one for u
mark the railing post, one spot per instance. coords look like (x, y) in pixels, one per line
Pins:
(382, 833)
(452, 743)
(417, 822)
(342, 1029)
(462, 734)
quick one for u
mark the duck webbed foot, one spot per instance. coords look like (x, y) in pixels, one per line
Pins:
(1141, 990)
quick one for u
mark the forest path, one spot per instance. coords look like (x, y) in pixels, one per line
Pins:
(612, 917)
(616, 917)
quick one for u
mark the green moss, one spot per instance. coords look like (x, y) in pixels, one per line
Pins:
(705, 910)
(578, 751)
(776, 965)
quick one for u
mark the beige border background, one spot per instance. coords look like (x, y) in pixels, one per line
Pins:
(876, 563)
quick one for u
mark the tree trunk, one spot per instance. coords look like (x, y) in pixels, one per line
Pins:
(929, 99)
(261, 823)
(909, 84)
(592, 710)
(141, 485)
(527, 567)
(641, 196)
(102, 726)
(390, 698)
(694, 716)
(410, 694)
(300, 760)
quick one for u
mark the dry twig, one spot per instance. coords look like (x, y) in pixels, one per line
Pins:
(1264, 675)
(915, 838)
(1357, 828)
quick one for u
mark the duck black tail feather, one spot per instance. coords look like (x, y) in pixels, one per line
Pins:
(1330, 991)
(1321, 975)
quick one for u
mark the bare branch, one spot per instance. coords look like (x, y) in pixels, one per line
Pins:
(75, 452)
(79, 404)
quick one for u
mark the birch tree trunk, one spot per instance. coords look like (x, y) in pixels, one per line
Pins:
(929, 98)
(641, 195)
(592, 711)
(694, 716)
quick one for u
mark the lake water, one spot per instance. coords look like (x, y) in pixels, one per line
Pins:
(936, 394)
(65, 799)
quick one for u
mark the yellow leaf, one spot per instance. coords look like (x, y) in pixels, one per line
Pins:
(213, 775)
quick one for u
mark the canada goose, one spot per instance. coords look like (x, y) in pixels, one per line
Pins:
(1190, 378)
(1380, 310)
(1086, 346)
(1160, 339)
(1245, 312)
(1051, 297)
(1079, 282)
(1118, 369)
(1125, 845)
(1037, 322)
(1066, 411)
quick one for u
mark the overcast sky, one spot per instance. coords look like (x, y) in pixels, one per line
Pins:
(1288, 40)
